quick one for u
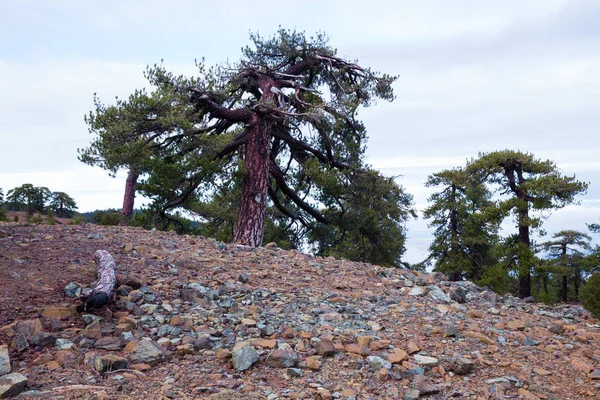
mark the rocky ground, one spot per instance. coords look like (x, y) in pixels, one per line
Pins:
(194, 318)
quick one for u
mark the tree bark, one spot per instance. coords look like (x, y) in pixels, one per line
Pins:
(129, 197)
(249, 227)
(564, 283)
(106, 275)
(524, 270)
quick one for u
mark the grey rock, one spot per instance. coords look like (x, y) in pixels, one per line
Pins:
(203, 343)
(44, 339)
(377, 363)
(452, 331)
(4, 360)
(282, 358)
(294, 372)
(438, 294)
(89, 318)
(461, 365)
(411, 394)
(148, 352)
(529, 299)
(109, 343)
(12, 384)
(458, 294)
(20, 343)
(73, 289)
(63, 344)
(243, 277)
(417, 291)
(243, 357)
(425, 361)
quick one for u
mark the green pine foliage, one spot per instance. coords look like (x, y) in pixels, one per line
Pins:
(590, 295)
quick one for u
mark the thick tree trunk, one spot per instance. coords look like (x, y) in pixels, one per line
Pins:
(563, 289)
(524, 270)
(249, 227)
(129, 197)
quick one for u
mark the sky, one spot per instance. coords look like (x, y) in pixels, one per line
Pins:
(474, 76)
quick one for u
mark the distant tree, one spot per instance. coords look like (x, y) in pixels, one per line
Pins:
(126, 134)
(62, 204)
(28, 198)
(466, 224)
(526, 185)
(594, 227)
(3, 216)
(289, 100)
(590, 295)
(566, 251)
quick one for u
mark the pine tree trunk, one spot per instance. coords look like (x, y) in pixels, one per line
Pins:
(524, 270)
(563, 290)
(129, 197)
(249, 227)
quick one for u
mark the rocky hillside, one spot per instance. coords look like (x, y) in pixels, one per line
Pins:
(194, 319)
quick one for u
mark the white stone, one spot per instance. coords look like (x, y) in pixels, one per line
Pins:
(425, 361)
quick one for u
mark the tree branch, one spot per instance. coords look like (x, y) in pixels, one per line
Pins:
(289, 192)
(217, 111)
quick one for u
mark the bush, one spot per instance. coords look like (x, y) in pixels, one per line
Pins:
(78, 220)
(16, 218)
(590, 295)
(51, 220)
(3, 216)
(110, 217)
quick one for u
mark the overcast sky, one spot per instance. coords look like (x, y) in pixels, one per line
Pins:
(474, 76)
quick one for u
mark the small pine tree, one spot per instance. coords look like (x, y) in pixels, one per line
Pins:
(51, 219)
(590, 295)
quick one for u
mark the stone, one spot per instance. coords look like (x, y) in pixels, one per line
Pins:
(451, 331)
(12, 384)
(243, 356)
(148, 352)
(73, 289)
(109, 343)
(397, 356)
(479, 336)
(243, 277)
(425, 361)
(527, 395)
(516, 325)
(377, 363)
(412, 348)
(66, 358)
(325, 348)
(461, 365)
(458, 294)
(594, 375)
(20, 343)
(313, 363)
(44, 339)
(110, 362)
(438, 294)
(296, 372)
(282, 358)
(4, 360)
(416, 291)
(412, 394)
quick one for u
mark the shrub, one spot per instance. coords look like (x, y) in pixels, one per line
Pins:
(590, 295)
(112, 218)
(16, 218)
(78, 220)
(51, 220)
(3, 216)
